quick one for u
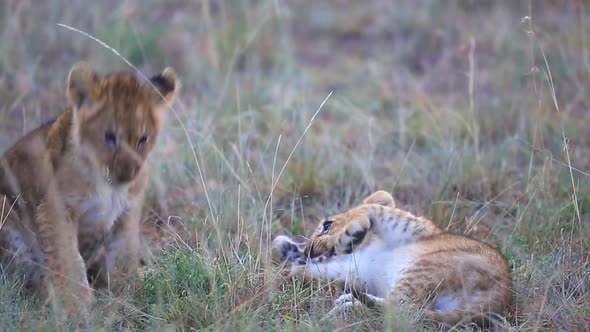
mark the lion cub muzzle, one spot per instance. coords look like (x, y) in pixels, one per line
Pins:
(125, 167)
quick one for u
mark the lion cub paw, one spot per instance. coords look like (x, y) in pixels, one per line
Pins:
(285, 250)
(352, 236)
(343, 307)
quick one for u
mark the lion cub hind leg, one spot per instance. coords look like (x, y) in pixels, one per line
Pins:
(21, 256)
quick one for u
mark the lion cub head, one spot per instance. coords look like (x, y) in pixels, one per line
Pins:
(118, 117)
(353, 224)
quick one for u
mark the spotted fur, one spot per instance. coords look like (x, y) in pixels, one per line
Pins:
(74, 186)
(381, 253)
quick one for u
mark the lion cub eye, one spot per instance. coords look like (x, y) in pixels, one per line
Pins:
(326, 226)
(110, 139)
(142, 141)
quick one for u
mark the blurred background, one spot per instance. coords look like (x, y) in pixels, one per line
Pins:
(473, 113)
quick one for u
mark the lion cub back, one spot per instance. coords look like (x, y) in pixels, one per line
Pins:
(458, 277)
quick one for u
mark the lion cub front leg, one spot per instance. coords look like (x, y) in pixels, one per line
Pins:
(352, 235)
(122, 249)
(66, 272)
(345, 303)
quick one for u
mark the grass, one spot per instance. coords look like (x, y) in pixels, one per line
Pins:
(464, 110)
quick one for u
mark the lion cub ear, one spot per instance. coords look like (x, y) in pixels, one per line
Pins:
(83, 84)
(167, 85)
(380, 197)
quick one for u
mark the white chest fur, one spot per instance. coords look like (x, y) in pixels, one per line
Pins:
(102, 207)
(376, 267)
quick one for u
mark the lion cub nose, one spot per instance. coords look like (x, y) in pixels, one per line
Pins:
(126, 174)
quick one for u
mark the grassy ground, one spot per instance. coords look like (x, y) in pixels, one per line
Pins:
(473, 113)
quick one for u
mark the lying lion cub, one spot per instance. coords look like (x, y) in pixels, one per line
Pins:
(74, 185)
(381, 253)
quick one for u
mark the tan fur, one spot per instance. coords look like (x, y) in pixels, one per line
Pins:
(381, 253)
(75, 185)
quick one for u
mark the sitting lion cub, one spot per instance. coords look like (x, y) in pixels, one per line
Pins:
(381, 253)
(72, 187)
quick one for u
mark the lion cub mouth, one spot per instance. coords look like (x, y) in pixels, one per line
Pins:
(299, 253)
(323, 258)
(314, 257)
(311, 253)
